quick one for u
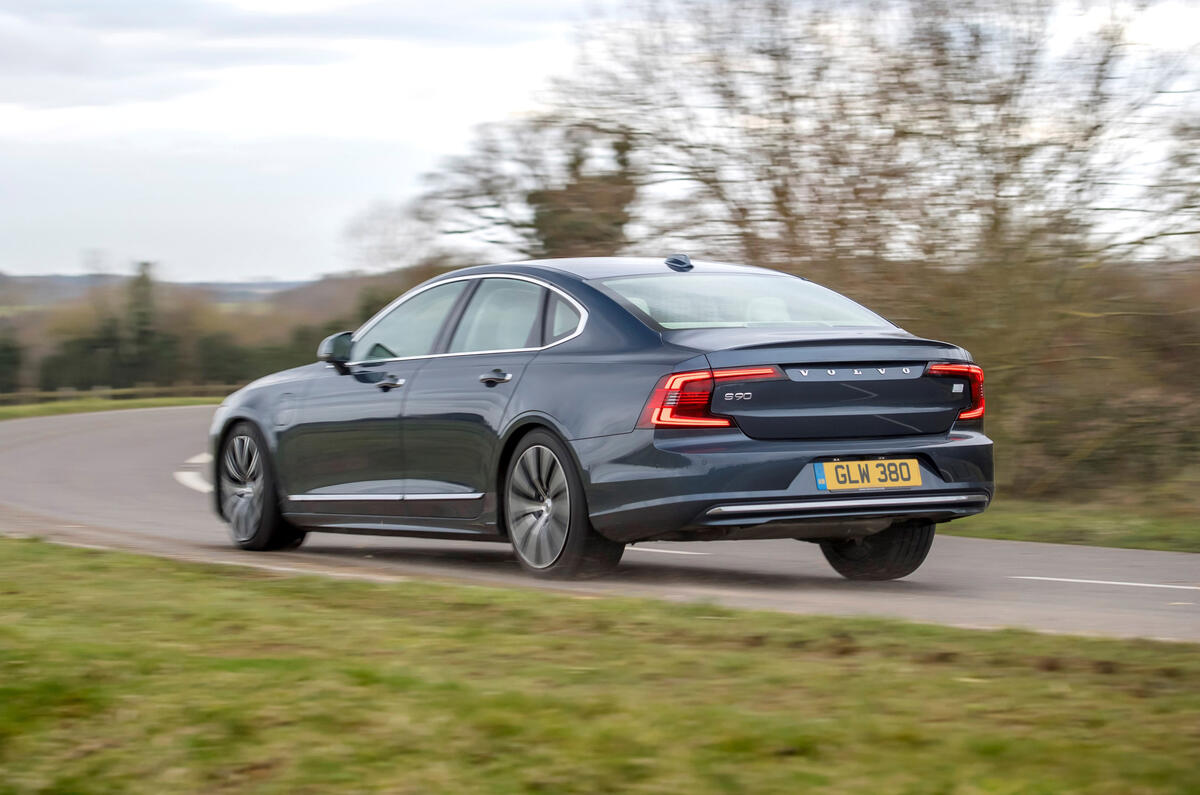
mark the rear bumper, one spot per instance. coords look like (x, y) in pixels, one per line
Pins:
(718, 485)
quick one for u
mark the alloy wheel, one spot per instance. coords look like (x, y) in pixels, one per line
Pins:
(242, 486)
(538, 507)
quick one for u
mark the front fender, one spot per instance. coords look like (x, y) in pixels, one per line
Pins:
(225, 417)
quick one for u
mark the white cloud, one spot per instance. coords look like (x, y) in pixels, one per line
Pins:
(294, 6)
(234, 139)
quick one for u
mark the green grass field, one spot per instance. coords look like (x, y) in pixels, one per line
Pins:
(97, 404)
(128, 674)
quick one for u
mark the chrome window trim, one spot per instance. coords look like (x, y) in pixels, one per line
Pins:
(381, 497)
(381, 314)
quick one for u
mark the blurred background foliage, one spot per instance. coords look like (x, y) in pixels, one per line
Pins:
(1020, 178)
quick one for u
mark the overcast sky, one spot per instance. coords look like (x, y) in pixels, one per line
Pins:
(233, 139)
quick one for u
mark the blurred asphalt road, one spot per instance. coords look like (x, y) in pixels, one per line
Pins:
(111, 480)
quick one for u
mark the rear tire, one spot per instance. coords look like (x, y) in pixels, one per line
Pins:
(249, 500)
(888, 555)
(545, 513)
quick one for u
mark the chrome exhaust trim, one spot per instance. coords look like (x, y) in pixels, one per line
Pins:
(906, 504)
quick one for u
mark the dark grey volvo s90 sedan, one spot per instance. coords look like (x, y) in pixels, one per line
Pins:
(571, 407)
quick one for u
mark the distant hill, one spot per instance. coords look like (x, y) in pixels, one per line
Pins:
(240, 292)
(42, 291)
(349, 295)
(18, 291)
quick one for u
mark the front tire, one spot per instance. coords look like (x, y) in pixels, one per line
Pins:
(888, 555)
(546, 514)
(249, 501)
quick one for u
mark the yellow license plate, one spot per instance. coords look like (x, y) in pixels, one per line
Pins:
(890, 473)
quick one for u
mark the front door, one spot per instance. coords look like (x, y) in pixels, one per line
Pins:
(346, 453)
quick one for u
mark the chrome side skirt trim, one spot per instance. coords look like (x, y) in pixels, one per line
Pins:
(381, 497)
(864, 503)
(472, 496)
(346, 498)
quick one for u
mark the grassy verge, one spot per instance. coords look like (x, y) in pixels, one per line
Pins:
(1096, 525)
(120, 673)
(98, 404)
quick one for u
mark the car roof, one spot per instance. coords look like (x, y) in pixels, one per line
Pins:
(609, 267)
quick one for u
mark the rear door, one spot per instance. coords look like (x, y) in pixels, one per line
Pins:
(457, 401)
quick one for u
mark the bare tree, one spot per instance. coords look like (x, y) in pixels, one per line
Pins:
(838, 138)
(389, 236)
(538, 188)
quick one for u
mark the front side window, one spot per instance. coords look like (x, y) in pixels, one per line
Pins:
(503, 314)
(729, 300)
(411, 329)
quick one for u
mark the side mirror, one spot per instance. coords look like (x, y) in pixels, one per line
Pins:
(335, 349)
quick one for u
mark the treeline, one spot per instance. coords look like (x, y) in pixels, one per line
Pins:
(12, 355)
(143, 332)
(109, 357)
(138, 339)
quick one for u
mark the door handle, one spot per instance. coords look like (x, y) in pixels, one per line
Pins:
(390, 382)
(496, 376)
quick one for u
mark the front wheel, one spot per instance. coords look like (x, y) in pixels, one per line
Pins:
(888, 555)
(249, 501)
(546, 513)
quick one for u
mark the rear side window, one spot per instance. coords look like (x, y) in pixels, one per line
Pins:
(726, 300)
(561, 319)
(503, 314)
(411, 328)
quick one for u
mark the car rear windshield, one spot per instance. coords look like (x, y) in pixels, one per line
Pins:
(724, 300)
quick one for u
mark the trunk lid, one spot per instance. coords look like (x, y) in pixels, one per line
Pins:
(838, 384)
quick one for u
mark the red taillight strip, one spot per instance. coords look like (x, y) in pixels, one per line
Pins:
(669, 397)
(665, 418)
(748, 373)
(974, 374)
(679, 379)
(673, 405)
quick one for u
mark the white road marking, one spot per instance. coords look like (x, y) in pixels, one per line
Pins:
(668, 551)
(1112, 582)
(202, 458)
(193, 481)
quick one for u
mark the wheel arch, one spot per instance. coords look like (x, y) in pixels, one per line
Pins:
(218, 443)
(520, 428)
